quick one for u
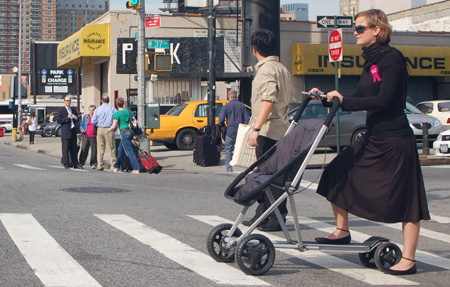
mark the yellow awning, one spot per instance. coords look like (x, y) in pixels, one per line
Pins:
(91, 42)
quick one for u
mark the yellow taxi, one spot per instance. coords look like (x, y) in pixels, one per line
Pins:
(181, 125)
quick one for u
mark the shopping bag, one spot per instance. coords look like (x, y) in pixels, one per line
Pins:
(244, 154)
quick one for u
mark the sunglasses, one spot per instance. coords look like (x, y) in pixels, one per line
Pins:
(361, 28)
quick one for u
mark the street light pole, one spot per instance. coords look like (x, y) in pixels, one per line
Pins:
(141, 76)
(211, 67)
(19, 88)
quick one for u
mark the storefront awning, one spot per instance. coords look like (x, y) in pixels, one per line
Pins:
(91, 44)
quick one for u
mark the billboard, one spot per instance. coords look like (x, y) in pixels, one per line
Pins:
(48, 78)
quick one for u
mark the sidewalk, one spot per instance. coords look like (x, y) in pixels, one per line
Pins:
(179, 161)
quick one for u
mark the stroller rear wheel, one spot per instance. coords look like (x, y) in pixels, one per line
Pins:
(387, 255)
(255, 254)
(218, 247)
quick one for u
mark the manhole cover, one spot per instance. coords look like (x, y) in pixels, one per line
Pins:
(95, 189)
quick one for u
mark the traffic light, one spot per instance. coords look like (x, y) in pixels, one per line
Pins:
(163, 63)
(133, 4)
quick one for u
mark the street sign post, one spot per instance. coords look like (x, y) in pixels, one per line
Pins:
(153, 44)
(329, 22)
(335, 46)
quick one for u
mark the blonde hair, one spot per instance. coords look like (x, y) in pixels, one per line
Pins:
(376, 17)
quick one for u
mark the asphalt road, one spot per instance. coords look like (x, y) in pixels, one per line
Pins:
(89, 228)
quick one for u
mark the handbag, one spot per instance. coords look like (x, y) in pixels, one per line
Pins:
(29, 122)
(133, 125)
(244, 154)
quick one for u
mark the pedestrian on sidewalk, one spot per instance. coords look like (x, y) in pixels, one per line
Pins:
(68, 118)
(234, 113)
(378, 177)
(32, 126)
(120, 120)
(103, 120)
(89, 139)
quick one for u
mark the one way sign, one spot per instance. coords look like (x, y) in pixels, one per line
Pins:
(328, 21)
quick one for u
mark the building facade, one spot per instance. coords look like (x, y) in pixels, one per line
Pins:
(299, 10)
(348, 7)
(72, 15)
(9, 35)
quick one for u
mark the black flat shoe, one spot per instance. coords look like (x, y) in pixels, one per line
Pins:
(343, 240)
(247, 222)
(412, 270)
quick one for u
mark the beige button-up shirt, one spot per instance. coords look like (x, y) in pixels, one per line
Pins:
(272, 83)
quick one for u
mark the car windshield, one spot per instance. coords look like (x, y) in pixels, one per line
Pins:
(176, 111)
(444, 107)
(410, 109)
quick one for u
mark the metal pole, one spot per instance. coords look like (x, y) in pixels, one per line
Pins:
(19, 88)
(211, 68)
(336, 84)
(425, 139)
(141, 77)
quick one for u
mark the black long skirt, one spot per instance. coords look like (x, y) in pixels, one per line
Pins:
(379, 179)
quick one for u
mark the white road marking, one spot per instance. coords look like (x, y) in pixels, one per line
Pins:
(50, 262)
(438, 166)
(28, 166)
(440, 219)
(179, 252)
(422, 256)
(325, 260)
(62, 167)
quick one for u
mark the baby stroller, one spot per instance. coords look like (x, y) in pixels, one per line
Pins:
(255, 253)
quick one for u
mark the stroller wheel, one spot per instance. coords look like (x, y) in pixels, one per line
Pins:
(255, 254)
(367, 259)
(218, 247)
(387, 255)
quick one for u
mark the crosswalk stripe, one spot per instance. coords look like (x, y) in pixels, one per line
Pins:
(28, 166)
(440, 219)
(62, 167)
(422, 256)
(439, 166)
(325, 260)
(423, 231)
(179, 252)
(50, 262)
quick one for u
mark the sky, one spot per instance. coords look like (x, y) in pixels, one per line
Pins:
(316, 7)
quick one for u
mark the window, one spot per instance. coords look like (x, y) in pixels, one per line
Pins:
(49, 25)
(73, 24)
(73, 12)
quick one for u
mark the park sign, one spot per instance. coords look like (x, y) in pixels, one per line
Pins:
(335, 46)
(328, 22)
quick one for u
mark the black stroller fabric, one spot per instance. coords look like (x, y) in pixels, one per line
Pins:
(296, 144)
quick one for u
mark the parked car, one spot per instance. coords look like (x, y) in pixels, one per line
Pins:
(181, 125)
(353, 124)
(54, 129)
(40, 129)
(442, 144)
(439, 109)
(7, 126)
(416, 119)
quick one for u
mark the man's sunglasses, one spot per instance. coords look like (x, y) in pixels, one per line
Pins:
(361, 28)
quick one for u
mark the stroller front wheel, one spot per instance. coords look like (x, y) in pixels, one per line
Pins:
(387, 255)
(218, 246)
(255, 254)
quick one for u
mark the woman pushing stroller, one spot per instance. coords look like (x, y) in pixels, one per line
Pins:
(379, 176)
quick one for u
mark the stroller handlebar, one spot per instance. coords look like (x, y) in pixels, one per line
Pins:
(333, 110)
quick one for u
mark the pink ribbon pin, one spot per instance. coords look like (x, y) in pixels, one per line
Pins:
(374, 71)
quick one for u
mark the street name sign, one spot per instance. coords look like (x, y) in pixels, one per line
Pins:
(153, 44)
(328, 21)
(335, 46)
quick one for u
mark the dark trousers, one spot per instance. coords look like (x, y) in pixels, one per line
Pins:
(32, 137)
(264, 144)
(87, 143)
(70, 146)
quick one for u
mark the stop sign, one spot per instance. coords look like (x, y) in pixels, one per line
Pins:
(335, 46)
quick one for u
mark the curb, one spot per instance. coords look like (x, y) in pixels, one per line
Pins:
(429, 161)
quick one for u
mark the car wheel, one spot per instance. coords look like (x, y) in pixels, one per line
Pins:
(5, 130)
(359, 133)
(186, 138)
(172, 146)
(58, 133)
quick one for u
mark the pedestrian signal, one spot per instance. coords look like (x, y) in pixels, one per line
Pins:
(133, 4)
(163, 63)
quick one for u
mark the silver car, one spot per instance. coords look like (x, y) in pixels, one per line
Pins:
(353, 124)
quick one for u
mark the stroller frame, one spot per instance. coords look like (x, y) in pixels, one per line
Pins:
(255, 253)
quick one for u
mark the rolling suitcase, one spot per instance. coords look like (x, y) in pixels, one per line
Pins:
(149, 162)
(206, 152)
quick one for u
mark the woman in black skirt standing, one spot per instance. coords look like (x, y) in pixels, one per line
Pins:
(378, 177)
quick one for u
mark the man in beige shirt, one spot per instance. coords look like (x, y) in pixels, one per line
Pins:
(271, 90)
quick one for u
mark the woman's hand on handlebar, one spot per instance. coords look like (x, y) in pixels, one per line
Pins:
(332, 94)
(315, 91)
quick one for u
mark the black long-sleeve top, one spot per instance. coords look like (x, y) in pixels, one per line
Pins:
(384, 97)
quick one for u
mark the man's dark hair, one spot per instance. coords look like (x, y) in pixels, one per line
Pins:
(264, 42)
